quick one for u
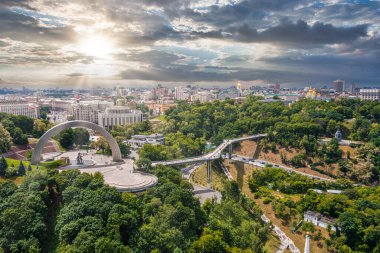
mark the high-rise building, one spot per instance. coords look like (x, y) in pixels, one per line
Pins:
(351, 88)
(118, 115)
(181, 93)
(338, 85)
(31, 110)
(370, 94)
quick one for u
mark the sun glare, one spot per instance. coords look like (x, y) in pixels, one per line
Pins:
(97, 46)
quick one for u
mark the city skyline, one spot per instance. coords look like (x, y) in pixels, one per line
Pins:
(108, 43)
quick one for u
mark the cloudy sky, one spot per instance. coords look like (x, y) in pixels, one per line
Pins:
(207, 42)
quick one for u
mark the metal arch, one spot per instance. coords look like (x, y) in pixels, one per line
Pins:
(36, 156)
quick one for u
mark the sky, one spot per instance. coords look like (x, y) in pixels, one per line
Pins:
(95, 43)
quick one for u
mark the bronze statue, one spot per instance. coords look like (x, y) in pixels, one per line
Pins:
(79, 159)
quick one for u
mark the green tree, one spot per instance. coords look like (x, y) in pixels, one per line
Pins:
(21, 169)
(81, 136)
(19, 138)
(106, 245)
(66, 138)
(154, 152)
(125, 149)
(3, 166)
(210, 242)
(144, 164)
(350, 227)
(39, 128)
(231, 191)
(5, 140)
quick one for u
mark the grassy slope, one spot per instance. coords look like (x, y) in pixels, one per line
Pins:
(217, 177)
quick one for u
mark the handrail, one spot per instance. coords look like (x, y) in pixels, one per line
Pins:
(215, 154)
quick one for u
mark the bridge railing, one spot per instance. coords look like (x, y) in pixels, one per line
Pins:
(182, 161)
(213, 155)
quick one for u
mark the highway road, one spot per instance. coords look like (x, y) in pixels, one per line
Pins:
(262, 163)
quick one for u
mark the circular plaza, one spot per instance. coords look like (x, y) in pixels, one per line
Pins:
(121, 175)
(117, 172)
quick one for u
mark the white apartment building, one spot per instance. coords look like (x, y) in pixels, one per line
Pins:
(181, 93)
(118, 115)
(31, 110)
(89, 110)
(370, 94)
(203, 96)
(62, 105)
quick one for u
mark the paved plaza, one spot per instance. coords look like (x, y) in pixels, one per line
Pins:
(119, 175)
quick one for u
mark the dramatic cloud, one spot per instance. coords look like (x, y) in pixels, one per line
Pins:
(287, 41)
(301, 33)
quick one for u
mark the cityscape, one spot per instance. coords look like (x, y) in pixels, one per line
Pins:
(234, 126)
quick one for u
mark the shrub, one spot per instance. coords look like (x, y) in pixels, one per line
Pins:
(267, 201)
(11, 172)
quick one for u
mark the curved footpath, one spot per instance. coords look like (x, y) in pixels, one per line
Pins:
(200, 191)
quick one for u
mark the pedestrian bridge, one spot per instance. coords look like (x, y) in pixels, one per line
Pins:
(215, 154)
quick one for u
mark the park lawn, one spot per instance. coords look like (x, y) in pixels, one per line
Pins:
(48, 165)
(15, 163)
(52, 164)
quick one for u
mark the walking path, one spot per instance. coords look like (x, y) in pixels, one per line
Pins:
(200, 191)
(286, 242)
(227, 172)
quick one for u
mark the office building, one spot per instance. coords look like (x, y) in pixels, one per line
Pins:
(118, 115)
(61, 105)
(182, 93)
(88, 110)
(31, 110)
(338, 85)
(203, 97)
(370, 94)
(352, 88)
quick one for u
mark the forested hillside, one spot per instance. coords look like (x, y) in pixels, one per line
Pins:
(73, 212)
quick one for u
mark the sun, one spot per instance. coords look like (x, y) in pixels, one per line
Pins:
(96, 45)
